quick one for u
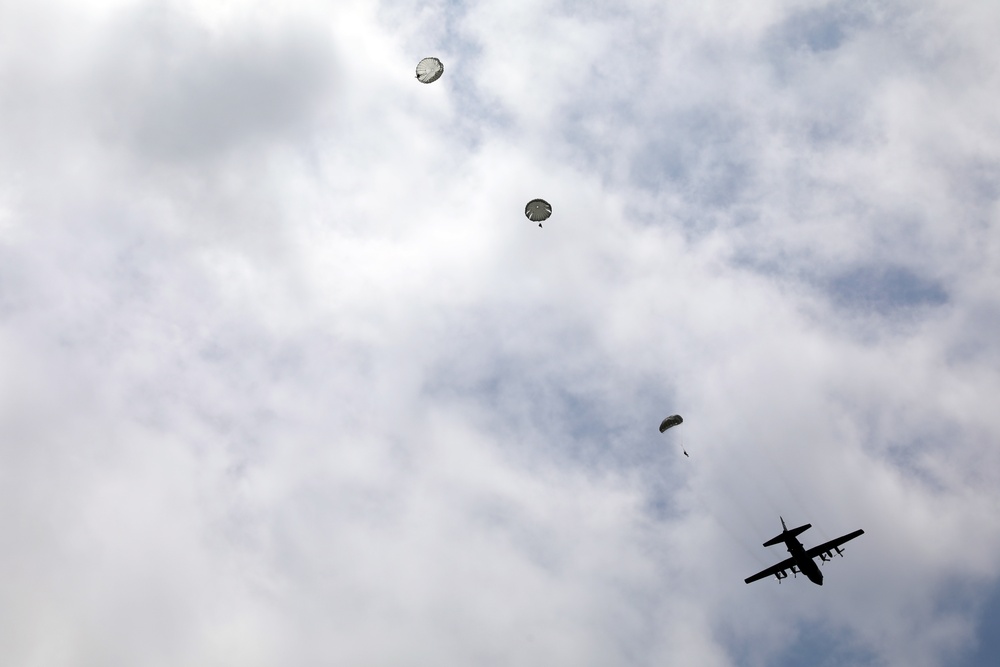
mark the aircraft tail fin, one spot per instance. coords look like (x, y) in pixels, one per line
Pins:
(787, 534)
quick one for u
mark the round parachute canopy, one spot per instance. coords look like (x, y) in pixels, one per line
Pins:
(537, 210)
(429, 70)
(669, 422)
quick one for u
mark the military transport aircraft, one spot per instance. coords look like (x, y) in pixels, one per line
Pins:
(801, 560)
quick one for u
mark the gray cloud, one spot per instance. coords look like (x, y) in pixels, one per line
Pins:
(290, 379)
(173, 89)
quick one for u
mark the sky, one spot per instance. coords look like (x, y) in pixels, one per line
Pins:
(289, 379)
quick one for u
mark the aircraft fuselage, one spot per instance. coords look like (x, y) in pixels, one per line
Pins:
(806, 565)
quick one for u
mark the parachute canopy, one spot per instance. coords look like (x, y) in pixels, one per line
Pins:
(669, 422)
(537, 210)
(429, 70)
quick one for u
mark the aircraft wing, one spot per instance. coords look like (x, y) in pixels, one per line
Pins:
(774, 569)
(833, 544)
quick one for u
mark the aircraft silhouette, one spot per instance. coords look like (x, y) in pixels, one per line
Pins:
(801, 560)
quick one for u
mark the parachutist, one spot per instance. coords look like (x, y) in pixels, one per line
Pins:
(538, 210)
(670, 422)
(429, 70)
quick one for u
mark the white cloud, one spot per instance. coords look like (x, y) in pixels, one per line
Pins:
(289, 378)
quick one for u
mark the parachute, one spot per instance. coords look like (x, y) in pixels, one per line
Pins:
(429, 70)
(538, 210)
(670, 422)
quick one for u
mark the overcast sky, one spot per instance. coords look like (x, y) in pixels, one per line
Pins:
(287, 378)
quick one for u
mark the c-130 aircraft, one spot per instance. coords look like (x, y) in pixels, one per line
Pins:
(801, 560)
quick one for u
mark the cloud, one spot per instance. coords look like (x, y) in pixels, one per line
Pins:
(173, 89)
(289, 378)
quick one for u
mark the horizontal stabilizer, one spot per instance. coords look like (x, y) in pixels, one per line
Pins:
(787, 534)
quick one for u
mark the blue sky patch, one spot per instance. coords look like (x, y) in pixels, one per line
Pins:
(817, 646)
(884, 289)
